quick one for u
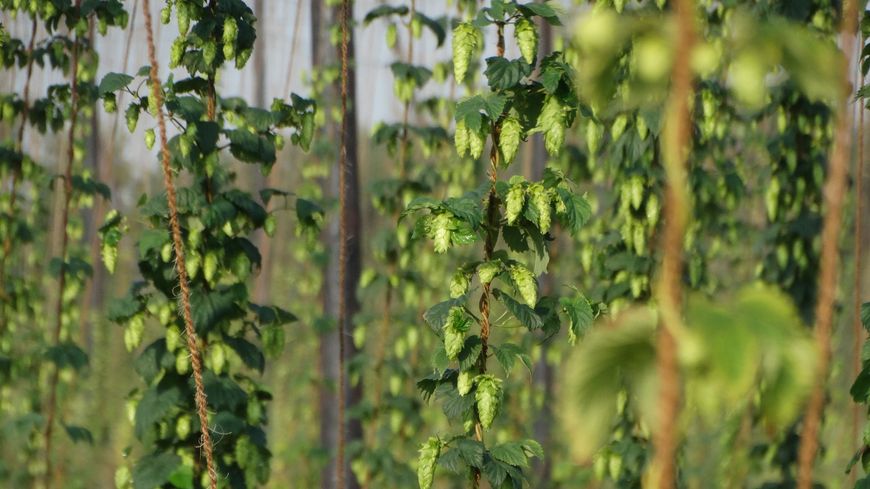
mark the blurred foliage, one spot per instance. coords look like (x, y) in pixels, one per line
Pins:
(434, 224)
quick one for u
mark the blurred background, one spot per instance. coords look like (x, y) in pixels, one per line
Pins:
(763, 127)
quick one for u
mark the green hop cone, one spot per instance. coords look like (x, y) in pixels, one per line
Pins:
(514, 202)
(149, 138)
(459, 283)
(509, 138)
(231, 31)
(540, 199)
(441, 232)
(110, 103)
(488, 397)
(429, 453)
(176, 52)
(183, 18)
(454, 332)
(476, 140)
(525, 282)
(242, 58)
(209, 52)
(464, 43)
(460, 138)
(464, 382)
(527, 39)
(132, 116)
(488, 270)
(551, 122)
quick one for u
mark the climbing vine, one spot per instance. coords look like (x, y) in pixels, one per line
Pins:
(215, 220)
(522, 213)
(32, 342)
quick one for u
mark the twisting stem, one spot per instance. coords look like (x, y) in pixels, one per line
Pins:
(61, 281)
(834, 190)
(342, 250)
(178, 245)
(492, 222)
(13, 191)
(676, 145)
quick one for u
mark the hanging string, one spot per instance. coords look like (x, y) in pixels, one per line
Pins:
(189, 329)
(833, 193)
(64, 244)
(342, 249)
(676, 147)
(293, 45)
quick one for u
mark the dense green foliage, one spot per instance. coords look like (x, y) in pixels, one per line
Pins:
(217, 220)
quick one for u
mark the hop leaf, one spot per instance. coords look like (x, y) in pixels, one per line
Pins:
(429, 453)
(525, 282)
(464, 382)
(527, 39)
(454, 332)
(509, 139)
(488, 397)
(514, 202)
(464, 44)
(580, 316)
(541, 198)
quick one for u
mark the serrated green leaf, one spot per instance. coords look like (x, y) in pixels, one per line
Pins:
(510, 453)
(525, 314)
(580, 316)
(153, 470)
(113, 82)
(502, 74)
